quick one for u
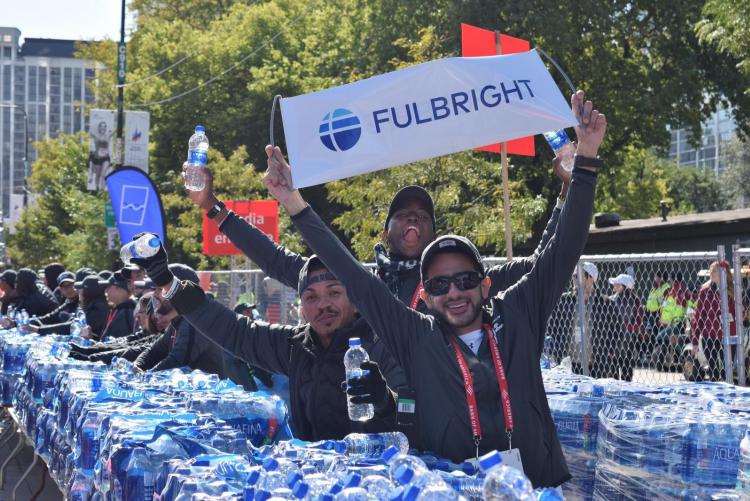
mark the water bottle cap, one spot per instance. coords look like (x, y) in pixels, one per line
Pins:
(403, 474)
(355, 341)
(335, 488)
(490, 460)
(339, 446)
(411, 493)
(200, 128)
(389, 453)
(352, 480)
(293, 477)
(253, 477)
(189, 486)
(262, 495)
(270, 464)
(301, 489)
(154, 242)
(325, 497)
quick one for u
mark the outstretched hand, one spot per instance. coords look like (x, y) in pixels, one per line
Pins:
(278, 181)
(156, 266)
(591, 125)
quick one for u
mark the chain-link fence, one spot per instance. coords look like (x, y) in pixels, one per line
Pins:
(629, 316)
(655, 318)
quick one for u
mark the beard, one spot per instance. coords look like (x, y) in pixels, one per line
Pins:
(476, 311)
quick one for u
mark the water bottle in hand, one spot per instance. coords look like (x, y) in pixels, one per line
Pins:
(353, 358)
(562, 146)
(197, 159)
(503, 482)
(145, 246)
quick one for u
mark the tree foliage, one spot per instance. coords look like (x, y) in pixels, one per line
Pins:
(735, 180)
(695, 189)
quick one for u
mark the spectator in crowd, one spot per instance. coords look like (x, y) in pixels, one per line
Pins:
(247, 310)
(654, 303)
(182, 345)
(632, 314)
(120, 321)
(599, 336)
(51, 272)
(26, 294)
(311, 355)
(8, 287)
(129, 347)
(92, 301)
(66, 311)
(672, 322)
(452, 395)
(133, 274)
(707, 323)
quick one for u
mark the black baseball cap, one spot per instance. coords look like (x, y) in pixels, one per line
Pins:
(184, 272)
(65, 276)
(9, 276)
(127, 269)
(117, 280)
(313, 262)
(450, 243)
(406, 195)
(240, 307)
(89, 284)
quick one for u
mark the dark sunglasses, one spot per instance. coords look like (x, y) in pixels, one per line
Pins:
(464, 281)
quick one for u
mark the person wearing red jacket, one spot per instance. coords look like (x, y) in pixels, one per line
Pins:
(707, 321)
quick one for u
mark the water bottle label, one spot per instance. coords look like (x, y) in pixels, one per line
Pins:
(197, 157)
(258, 431)
(558, 140)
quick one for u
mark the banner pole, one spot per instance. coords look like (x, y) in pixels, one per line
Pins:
(506, 202)
(506, 188)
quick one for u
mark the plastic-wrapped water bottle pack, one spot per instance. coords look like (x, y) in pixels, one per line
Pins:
(631, 441)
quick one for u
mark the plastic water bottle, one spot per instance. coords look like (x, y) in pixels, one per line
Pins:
(145, 246)
(139, 480)
(562, 146)
(197, 159)
(374, 444)
(353, 358)
(396, 458)
(376, 486)
(743, 475)
(504, 483)
(437, 493)
(548, 494)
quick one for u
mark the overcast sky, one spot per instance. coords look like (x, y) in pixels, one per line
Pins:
(66, 19)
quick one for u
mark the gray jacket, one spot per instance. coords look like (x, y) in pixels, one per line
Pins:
(421, 345)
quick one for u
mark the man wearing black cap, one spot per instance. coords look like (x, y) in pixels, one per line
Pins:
(64, 312)
(93, 303)
(8, 286)
(121, 318)
(311, 355)
(475, 371)
(28, 295)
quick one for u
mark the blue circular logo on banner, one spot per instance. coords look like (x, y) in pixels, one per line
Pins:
(340, 130)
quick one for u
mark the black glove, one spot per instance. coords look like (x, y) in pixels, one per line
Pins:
(370, 388)
(156, 266)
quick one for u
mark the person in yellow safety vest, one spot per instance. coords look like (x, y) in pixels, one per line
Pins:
(653, 308)
(675, 302)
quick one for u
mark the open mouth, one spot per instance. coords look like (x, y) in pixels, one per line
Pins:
(411, 234)
(457, 307)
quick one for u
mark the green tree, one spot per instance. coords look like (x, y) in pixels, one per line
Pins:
(695, 189)
(735, 180)
(725, 27)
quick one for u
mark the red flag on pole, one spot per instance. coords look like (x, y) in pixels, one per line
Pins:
(476, 42)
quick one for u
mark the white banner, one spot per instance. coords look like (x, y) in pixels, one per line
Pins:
(101, 147)
(420, 112)
(136, 139)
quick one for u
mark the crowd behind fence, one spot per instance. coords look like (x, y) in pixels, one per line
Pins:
(644, 331)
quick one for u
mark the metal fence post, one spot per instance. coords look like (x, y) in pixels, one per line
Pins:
(738, 310)
(581, 303)
(728, 372)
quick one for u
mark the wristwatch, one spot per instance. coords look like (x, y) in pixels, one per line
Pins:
(581, 161)
(214, 211)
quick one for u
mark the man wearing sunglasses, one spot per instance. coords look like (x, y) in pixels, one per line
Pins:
(475, 370)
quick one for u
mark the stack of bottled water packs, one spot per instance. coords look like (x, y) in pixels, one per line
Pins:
(632, 441)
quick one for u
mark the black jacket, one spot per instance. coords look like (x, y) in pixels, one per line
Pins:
(62, 313)
(318, 403)
(96, 318)
(181, 345)
(284, 265)
(421, 344)
(122, 320)
(37, 300)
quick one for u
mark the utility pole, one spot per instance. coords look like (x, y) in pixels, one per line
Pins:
(121, 53)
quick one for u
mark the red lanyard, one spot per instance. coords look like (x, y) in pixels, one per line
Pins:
(415, 297)
(111, 317)
(471, 398)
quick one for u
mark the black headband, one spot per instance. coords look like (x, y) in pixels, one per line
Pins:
(327, 275)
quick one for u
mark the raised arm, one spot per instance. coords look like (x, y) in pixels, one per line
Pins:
(398, 326)
(275, 260)
(541, 288)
